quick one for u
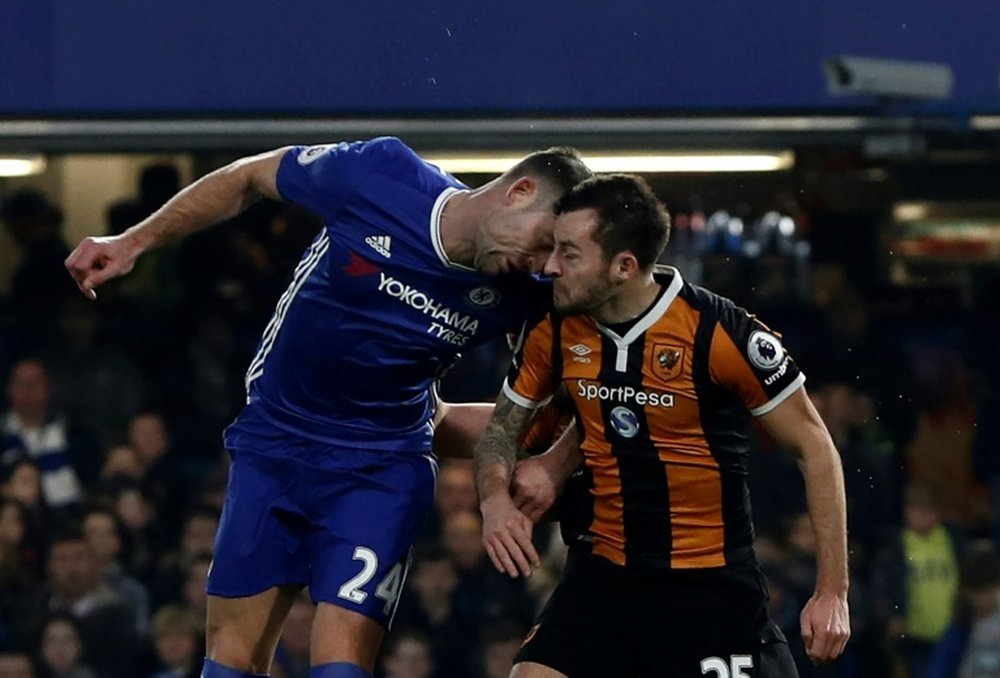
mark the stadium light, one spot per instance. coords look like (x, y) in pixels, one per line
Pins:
(720, 161)
(21, 165)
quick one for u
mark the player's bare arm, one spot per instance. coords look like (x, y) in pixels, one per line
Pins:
(539, 480)
(215, 197)
(506, 531)
(825, 622)
(457, 428)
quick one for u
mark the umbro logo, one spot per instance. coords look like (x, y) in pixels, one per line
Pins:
(380, 243)
(580, 352)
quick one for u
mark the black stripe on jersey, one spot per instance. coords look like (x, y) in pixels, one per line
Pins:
(724, 422)
(645, 493)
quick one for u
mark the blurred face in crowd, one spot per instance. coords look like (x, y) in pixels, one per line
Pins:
(411, 658)
(199, 535)
(24, 485)
(101, 532)
(456, 489)
(461, 535)
(15, 666)
(73, 570)
(921, 517)
(61, 645)
(176, 648)
(194, 585)
(11, 523)
(498, 657)
(134, 510)
(28, 391)
(435, 581)
(121, 461)
(147, 434)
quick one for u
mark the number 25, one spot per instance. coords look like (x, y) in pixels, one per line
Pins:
(734, 669)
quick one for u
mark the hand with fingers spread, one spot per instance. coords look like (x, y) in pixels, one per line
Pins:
(97, 260)
(507, 536)
(826, 627)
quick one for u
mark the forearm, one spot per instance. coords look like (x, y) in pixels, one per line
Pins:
(460, 427)
(217, 196)
(494, 455)
(824, 480)
(564, 456)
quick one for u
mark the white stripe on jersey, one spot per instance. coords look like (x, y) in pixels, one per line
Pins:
(302, 271)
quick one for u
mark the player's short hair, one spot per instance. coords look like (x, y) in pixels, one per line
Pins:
(630, 216)
(560, 167)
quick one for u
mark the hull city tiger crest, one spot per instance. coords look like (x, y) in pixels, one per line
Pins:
(668, 361)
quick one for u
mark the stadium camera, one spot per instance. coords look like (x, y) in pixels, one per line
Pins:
(888, 78)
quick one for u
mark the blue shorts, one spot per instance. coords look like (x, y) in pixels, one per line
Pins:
(338, 521)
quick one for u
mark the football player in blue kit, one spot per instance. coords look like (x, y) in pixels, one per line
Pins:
(332, 466)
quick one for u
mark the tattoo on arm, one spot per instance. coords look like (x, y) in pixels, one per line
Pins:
(496, 450)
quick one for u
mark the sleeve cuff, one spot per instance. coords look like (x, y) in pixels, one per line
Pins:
(520, 400)
(778, 399)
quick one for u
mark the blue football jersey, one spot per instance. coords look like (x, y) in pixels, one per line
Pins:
(375, 311)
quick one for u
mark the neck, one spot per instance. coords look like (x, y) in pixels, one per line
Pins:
(31, 421)
(629, 301)
(460, 221)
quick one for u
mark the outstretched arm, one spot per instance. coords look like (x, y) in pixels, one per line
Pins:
(215, 197)
(506, 531)
(539, 480)
(825, 622)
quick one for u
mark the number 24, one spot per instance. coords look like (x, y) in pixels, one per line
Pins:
(388, 589)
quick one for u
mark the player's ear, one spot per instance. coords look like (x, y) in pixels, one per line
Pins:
(624, 265)
(521, 191)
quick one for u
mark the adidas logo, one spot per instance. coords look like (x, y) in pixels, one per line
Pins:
(380, 243)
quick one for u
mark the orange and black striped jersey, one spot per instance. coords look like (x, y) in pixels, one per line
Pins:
(665, 414)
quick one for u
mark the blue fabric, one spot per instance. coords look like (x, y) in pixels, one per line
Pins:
(338, 670)
(212, 669)
(375, 312)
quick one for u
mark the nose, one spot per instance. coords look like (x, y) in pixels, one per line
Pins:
(551, 266)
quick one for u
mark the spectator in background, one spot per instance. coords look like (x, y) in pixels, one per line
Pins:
(106, 623)
(916, 580)
(482, 592)
(193, 596)
(456, 492)
(16, 664)
(35, 224)
(162, 479)
(428, 605)
(21, 484)
(177, 643)
(33, 430)
(90, 361)
(500, 642)
(866, 455)
(61, 650)
(982, 591)
(978, 607)
(292, 654)
(197, 542)
(407, 654)
(104, 535)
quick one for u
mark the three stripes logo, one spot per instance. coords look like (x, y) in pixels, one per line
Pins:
(380, 243)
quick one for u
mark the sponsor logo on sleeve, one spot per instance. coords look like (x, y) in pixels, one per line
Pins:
(765, 350)
(312, 154)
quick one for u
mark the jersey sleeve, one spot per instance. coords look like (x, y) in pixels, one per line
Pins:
(532, 378)
(321, 178)
(748, 359)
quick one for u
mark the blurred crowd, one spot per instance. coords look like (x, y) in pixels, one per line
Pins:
(112, 472)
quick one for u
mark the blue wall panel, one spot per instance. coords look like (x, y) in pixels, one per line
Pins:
(461, 56)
